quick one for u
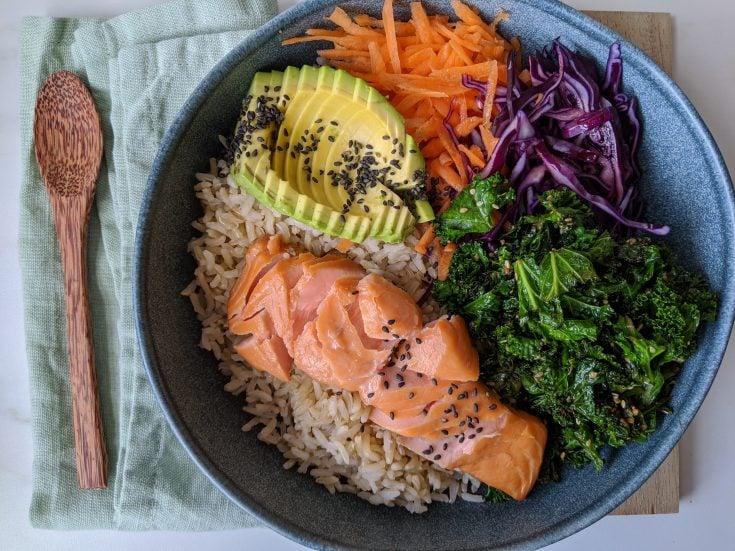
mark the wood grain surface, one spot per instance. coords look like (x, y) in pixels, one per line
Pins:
(68, 144)
(652, 33)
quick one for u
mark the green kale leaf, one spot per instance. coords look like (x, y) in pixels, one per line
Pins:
(471, 211)
(581, 327)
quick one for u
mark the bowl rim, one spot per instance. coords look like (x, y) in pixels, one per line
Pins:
(240, 496)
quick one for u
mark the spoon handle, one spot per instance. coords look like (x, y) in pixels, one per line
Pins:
(70, 219)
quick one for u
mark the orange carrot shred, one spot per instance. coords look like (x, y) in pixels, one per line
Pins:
(466, 14)
(344, 245)
(426, 238)
(467, 125)
(488, 140)
(492, 86)
(445, 260)
(474, 156)
(525, 77)
(389, 26)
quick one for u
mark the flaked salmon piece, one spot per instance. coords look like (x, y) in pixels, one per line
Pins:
(273, 292)
(506, 455)
(460, 406)
(331, 349)
(468, 428)
(394, 388)
(260, 257)
(262, 348)
(443, 349)
(316, 281)
(387, 310)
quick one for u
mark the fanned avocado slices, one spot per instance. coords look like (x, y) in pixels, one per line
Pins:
(327, 149)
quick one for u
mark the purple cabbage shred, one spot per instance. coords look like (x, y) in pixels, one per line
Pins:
(569, 128)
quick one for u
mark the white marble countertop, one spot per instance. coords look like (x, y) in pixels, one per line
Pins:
(704, 67)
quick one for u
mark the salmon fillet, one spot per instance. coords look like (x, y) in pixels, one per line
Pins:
(361, 333)
(505, 452)
(387, 311)
(443, 349)
(261, 256)
(333, 349)
(262, 348)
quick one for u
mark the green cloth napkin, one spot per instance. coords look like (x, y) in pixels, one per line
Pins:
(141, 67)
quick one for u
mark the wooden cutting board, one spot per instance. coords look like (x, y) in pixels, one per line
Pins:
(652, 33)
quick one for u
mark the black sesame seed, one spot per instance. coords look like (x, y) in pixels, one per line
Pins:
(445, 446)
(402, 357)
(401, 384)
(391, 322)
(434, 382)
(392, 415)
(461, 439)
(493, 406)
(461, 396)
(450, 390)
(437, 457)
(385, 329)
(386, 384)
(370, 394)
(479, 430)
(411, 395)
(395, 336)
(476, 407)
(418, 340)
(445, 432)
(471, 436)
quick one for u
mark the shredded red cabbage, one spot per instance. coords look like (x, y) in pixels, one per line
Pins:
(567, 128)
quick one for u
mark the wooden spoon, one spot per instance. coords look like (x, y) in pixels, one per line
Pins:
(68, 142)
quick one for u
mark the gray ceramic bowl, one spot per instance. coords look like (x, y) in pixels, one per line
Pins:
(685, 184)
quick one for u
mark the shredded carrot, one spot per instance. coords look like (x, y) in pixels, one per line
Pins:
(467, 125)
(466, 14)
(474, 156)
(445, 260)
(342, 54)
(492, 86)
(426, 238)
(419, 65)
(344, 245)
(389, 25)
(525, 77)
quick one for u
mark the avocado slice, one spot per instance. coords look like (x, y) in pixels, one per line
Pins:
(325, 148)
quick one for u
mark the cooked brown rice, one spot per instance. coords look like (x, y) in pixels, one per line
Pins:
(320, 431)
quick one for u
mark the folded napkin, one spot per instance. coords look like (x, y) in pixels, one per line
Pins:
(141, 67)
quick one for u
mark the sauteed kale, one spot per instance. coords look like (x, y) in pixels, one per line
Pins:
(584, 328)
